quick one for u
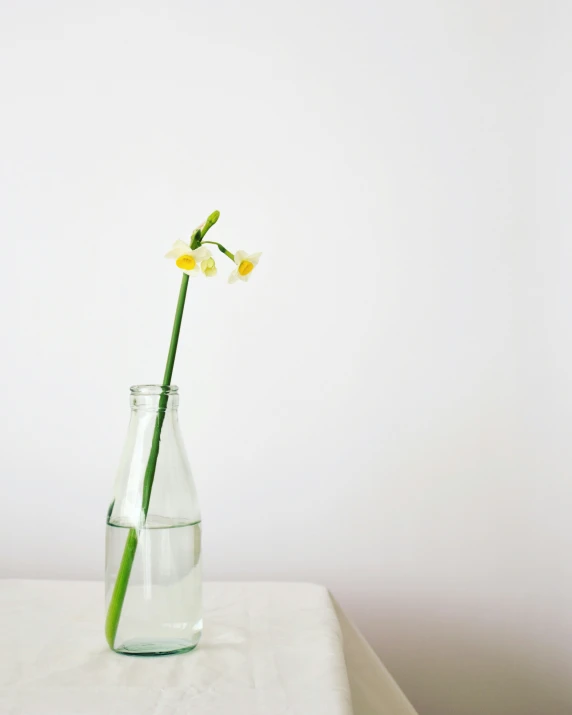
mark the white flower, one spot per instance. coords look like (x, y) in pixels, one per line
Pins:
(188, 259)
(245, 263)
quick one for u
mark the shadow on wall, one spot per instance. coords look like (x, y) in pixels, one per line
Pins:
(446, 669)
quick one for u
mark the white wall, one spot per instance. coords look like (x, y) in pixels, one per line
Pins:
(385, 408)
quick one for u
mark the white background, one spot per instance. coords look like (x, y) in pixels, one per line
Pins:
(386, 406)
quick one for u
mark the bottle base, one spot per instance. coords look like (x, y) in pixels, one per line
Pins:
(142, 646)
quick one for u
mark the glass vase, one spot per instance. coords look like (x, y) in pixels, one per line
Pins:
(153, 581)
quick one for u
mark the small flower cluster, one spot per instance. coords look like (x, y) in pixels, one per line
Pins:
(195, 258)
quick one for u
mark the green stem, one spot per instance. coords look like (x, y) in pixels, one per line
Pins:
(122, 581)
(154, 452)
(221, 248)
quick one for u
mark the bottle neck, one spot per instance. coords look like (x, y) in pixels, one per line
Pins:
(154, 398)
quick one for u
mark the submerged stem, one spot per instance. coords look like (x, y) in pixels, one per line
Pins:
(120, 588)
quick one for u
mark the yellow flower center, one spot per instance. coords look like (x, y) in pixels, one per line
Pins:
(186, 263)
(245, 268)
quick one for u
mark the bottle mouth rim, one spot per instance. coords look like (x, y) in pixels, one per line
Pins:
(154, 390)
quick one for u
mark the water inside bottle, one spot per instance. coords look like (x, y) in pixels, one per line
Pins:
(162, 611)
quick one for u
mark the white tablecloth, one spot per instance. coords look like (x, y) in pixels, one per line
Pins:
(267, 649)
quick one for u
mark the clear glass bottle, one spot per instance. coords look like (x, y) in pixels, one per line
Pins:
(153, 581)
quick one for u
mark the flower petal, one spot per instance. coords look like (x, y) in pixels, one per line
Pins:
(239, 256)
(233, 277)
(201, 253)
(179, 248)
(254, 258)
